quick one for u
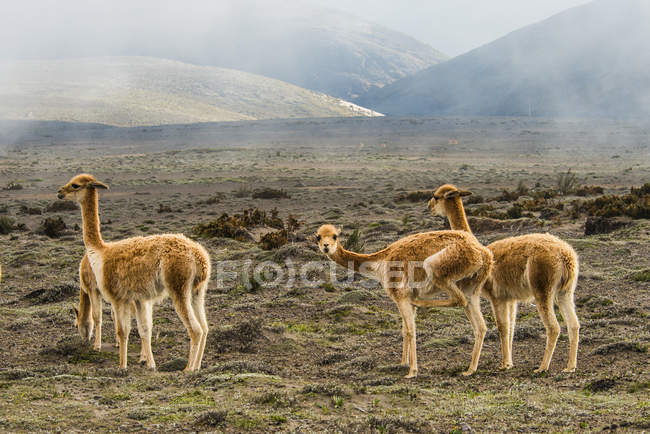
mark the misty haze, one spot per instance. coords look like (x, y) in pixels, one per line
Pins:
(324, 216)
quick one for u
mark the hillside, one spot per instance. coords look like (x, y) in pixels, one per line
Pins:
(131, 91)
(587, 61)
(291, 40)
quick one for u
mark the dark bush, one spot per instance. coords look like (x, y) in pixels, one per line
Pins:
(164, 208)
(53, 227)
(270, 193)
(635, 204)
(514, 212)
(548, 213)
(589, 190)
(7, 225)
(53, 295)
(13, 186)
(173, 365)
(274, 240)
(602, 225)
(24, 209)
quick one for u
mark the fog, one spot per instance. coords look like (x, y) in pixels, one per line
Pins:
(592, 60)
(454, 27)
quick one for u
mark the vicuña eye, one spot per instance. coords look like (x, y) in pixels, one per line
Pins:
(317, 237)
(75, 186)
(334, 237)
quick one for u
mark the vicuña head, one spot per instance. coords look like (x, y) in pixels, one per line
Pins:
(328, 239)
(79, 186)
(447, 202)
(443, 194)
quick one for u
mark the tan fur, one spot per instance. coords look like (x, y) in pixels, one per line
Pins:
(447, 258)
(134, 273)
(88, 314)
(536, 266)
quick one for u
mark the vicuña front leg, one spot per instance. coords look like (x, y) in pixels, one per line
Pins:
(123, 325)
(144, 316)
(96, 306)
(501, 310)
(473, 312)
(547, 313)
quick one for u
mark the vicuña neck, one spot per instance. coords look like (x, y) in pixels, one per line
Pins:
(90, 217)
(456, 215)
(352, 260)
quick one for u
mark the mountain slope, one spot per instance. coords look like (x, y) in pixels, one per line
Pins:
(592, 60)
(291, 40)
(130, 91)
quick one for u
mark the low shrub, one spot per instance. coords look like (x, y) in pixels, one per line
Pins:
(270, 193)
(53, 227)
(274, 240)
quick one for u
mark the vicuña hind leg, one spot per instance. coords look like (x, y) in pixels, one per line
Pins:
(144, 316)
(473, 312)
(406, 310)
(405, 345)
(512, 321)
(198, 305)
(547, 313)
(567, 307)
(185, 312)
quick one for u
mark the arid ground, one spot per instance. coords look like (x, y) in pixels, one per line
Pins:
(302, 357)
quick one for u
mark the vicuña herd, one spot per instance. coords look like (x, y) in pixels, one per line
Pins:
(136, 273)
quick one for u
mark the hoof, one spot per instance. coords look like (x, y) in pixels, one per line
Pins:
(540, 370)
(505, 367)
(97, 348)
(569, 370)
(468, 373)
(411, 374)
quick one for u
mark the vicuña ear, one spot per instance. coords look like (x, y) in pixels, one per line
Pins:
(453, 193)
(465, 193)
(99, 184)
(338, 230)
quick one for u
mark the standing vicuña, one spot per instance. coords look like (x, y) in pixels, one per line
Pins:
(450, 261)
(141, 271)
(538, 266)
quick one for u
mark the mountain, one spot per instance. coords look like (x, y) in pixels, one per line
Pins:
(291, 40)
(131, 91)
(589, 61)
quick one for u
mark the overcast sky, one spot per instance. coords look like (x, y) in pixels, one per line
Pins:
(453, 26)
